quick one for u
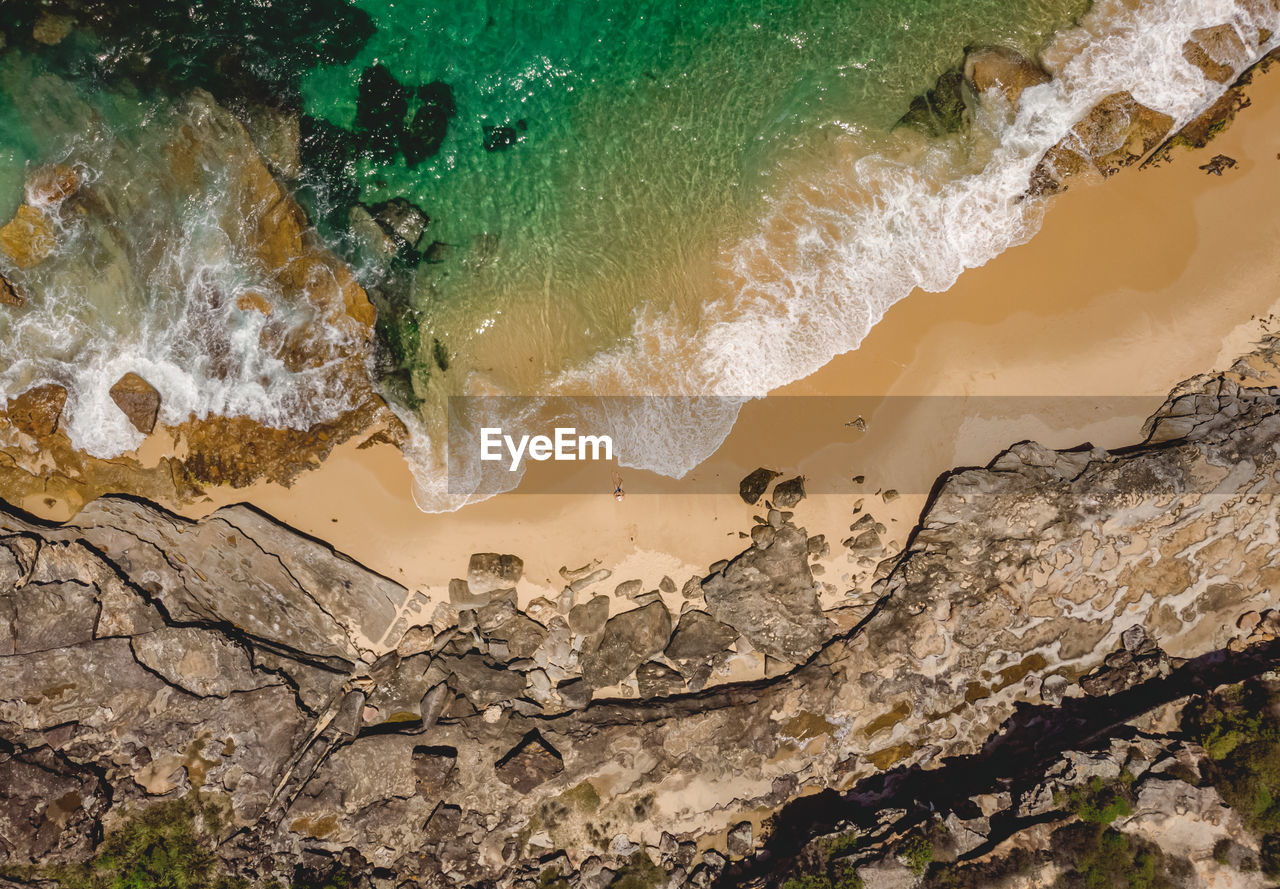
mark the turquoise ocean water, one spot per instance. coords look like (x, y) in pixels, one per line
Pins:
(624, 197)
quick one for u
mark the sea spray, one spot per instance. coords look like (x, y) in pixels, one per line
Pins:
(153, 254)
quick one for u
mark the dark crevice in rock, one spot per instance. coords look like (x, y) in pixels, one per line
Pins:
(1014, 757)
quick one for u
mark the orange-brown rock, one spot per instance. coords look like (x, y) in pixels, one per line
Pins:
(36, 412)
(1218, 52)
(29, 237)
(1004, 69)
(10, 295)
(139, 401)
(51, 29)
(1119, 131)
(52, 184)
(253, 302)
(319, 321)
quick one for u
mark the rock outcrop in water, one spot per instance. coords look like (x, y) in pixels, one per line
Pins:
(319, 324)
(1117, 133)
(1042, 602)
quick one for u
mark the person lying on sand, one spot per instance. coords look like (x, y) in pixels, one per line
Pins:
(618, 493)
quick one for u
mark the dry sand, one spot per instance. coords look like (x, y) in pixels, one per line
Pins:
(1129, 288)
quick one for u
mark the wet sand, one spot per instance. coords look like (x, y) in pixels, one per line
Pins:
(1129, 287)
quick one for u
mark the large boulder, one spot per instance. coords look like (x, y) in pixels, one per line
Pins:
(139, 401)
(488, 572)
(753, 486)
(1119, 131)
(787, 494)
(629, 639)
(424, 135)
(769, 596)
(1000, 68)
(36, 412)
(698, 643)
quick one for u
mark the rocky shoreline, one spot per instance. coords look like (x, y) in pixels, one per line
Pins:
(333, 722)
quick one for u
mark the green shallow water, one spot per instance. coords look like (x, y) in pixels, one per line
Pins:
(653, 131)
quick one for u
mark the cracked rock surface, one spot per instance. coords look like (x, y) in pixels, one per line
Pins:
(143, 656)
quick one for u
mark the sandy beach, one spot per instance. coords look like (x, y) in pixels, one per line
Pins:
(1129, 287)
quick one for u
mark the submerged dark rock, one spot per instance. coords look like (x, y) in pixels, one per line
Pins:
(942, 108)
(425, 134)
(381, 106)
(503, 136)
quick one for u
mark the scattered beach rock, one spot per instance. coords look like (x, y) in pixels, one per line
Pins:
(753, 486)
(787, 494)
(591, 579)
(738, 841)
(138, 400)
(487, 572)
(36, 412)
(628, 589)
(416, 640)
(692, 588)
(1003, 69)
(574, 693)
(1217, 164)
(542, 610)
(762, 536)
(462, 598)
(589, 618)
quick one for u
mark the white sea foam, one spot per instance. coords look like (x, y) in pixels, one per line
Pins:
(150, 286)
(820, 273)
